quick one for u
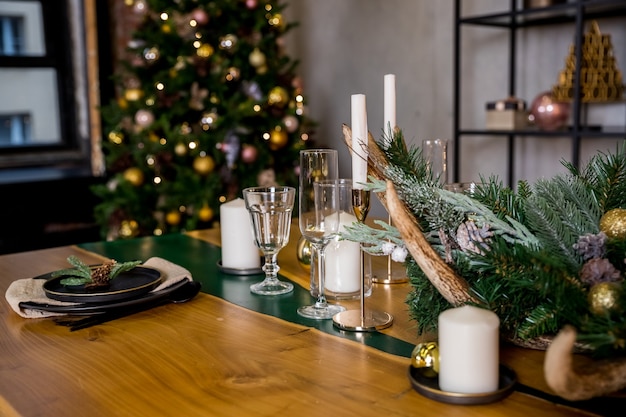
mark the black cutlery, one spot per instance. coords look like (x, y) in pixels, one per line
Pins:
(182, 294)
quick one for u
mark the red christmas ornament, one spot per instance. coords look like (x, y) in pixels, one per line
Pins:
(548, 114)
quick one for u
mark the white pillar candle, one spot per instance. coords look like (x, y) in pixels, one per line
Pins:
(343, 261)
(359, 141)
(238, 248)
(468, 350)
(389, 108)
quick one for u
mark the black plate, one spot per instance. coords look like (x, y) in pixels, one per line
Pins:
(429, 387)
(82, 309)
(128, 284)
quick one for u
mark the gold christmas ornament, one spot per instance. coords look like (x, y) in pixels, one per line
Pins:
(257, 58)
(604, 297)
(277, 97)
(173, 217)
(116, 137)
(134, 175)
(133, 94)
(303, 253)
(180, 149)
(278, 138)
(128, 228)
(203, 165)
(613, 223)
(204, 51)
(426, 355)
(205, 213)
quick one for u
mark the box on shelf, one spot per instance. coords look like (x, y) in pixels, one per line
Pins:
(507, 114)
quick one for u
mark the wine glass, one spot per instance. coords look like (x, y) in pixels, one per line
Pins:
(319, 226)
(270, 210)
(315, 165)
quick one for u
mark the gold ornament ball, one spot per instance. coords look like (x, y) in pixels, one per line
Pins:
(180, 149)
(116, 137)
(172, 218)
(203, 165)
(205, 213)
(257, 58)
(133, 94)
(613, 223)
(128, 228)
(303, 253)
(278, 139)
(426, 356)
(604, 297)
(205, 50)
(277, 97)
(134, 175)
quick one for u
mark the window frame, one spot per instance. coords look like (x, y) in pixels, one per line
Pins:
(70, 31)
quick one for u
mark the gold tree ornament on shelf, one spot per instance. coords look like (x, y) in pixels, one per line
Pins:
(600, 79)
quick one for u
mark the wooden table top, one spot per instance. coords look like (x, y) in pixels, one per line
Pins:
(212, 357)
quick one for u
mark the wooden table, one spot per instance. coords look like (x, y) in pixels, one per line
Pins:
(211, 357)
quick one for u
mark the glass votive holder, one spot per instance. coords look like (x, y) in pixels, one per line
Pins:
(461, 187)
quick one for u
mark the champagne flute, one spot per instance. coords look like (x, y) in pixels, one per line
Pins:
(270, 210)
(316, 165)
(319, 227)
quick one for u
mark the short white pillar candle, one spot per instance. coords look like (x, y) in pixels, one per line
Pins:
(343, 261)
(468, 350)
(239, 251)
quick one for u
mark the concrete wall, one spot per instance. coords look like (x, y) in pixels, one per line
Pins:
(347, 46)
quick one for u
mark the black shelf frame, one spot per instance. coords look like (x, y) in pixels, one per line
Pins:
(574, 12)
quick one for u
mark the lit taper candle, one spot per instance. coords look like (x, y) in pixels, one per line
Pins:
(359, 141)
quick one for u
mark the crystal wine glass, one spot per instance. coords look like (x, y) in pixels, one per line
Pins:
(316, 165)
(270, 210)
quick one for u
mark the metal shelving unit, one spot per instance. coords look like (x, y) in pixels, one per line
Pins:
(575, 12)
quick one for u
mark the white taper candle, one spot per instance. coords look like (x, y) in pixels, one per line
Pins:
(389, 108)
(359, 141)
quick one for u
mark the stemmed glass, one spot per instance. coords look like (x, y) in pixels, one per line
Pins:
(316, 166)
(270, 210)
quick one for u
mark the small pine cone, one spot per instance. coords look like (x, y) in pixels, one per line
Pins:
(591, 245)
(598, 270)
(470, 238)
(100, 275)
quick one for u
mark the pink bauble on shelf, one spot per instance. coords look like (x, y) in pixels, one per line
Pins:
(547, 113)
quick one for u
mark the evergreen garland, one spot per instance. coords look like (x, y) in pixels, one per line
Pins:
(534, 256)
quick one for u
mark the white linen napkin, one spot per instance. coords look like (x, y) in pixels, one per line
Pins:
(31, 289)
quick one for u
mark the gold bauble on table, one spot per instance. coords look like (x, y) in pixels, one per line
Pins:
(426, 355)
(613, 223)
(203, 165)
(604, 297)
(278, 138)
(303, 253)
(134, 175)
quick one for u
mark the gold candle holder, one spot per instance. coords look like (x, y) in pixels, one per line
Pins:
(362, 320)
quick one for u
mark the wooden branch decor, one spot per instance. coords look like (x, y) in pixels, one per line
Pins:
(451, 286)
(599, 378)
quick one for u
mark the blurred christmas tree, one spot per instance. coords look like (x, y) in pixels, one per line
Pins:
(208, 104)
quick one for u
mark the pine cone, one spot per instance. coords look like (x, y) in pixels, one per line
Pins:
(100, 276)
(470, 238)
(591, 245)
(598, 270)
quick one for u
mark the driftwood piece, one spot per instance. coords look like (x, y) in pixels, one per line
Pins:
(451, 286)
(601, 377)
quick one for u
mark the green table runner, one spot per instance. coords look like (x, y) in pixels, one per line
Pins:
(201, 258)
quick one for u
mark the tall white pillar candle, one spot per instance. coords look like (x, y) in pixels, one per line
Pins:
(343, 261)
(359, 141)
(389, 104)
(238, 248)
(468, 350)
